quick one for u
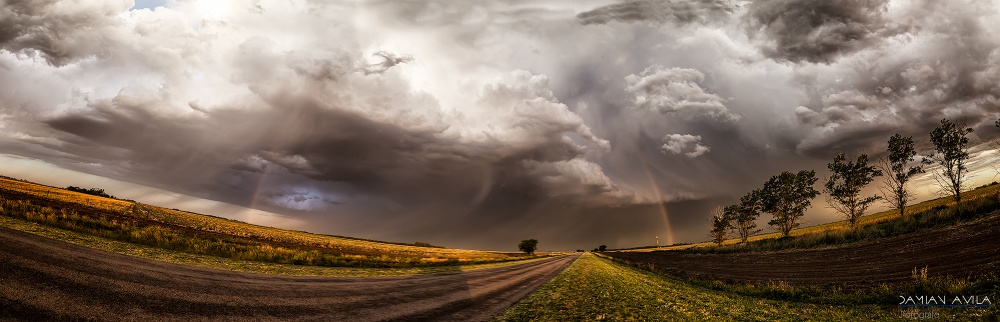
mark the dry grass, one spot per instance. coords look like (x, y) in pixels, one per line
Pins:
(197, 234)
(228, 263)
(844, 225)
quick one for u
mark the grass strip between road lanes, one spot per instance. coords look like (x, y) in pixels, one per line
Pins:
(598, 289)
(232, 264)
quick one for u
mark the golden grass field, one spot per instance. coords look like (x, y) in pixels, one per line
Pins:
(196, 234)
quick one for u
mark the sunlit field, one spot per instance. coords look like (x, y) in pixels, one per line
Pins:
(190, 233)
(979, 202)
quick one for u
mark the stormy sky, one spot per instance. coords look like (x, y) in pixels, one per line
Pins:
(475, 124)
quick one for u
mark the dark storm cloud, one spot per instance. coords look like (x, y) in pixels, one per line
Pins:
(317, 139)
(58, 31)
(818, 31)
(948, 71)
(672, 11)
(388, 60)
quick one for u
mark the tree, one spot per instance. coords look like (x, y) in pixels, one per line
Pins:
(721, 225)
(602, 248)
(528, 246)
(952, 151)
(745, 214)
(900, 154)
(786, 197)
(844, 185)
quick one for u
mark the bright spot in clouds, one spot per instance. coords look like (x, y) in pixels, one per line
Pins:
(213, 9)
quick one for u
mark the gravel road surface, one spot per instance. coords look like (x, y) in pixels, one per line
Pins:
(45, 279)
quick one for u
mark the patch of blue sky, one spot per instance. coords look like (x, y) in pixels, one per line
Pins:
(148, 4)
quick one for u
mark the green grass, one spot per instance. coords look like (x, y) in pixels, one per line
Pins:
(185, 232)
(598, 289)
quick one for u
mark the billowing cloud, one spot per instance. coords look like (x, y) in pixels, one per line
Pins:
(689, 145)
(818, 31)
(843, 107)
(674, 11)
(59, 31)
(907, 90)
(669, 90)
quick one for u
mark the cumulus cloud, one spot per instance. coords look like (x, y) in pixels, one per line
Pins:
(669, 90)
(842, 107)
(679, 143)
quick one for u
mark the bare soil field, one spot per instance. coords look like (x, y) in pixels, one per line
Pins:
(45, 279)
(963, 250)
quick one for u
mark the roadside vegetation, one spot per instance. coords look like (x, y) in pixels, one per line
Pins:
(979, 203)
(594, 288)
(176, 257)
(179, 231)
(788, 195)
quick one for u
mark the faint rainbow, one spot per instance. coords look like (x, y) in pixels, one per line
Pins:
(257, 188)
(663, 208)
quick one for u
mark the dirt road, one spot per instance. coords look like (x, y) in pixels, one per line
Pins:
(46, 279)
(962, 250)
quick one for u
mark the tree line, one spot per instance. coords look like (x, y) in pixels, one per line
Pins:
(788, 195)
(91, 191)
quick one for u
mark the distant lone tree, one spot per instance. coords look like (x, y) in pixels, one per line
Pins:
(844, 185)
(745, 214)
(952, 152)
(786, 197)
(894, 165)
(721, 226)
(528, 246)
(602, 248)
